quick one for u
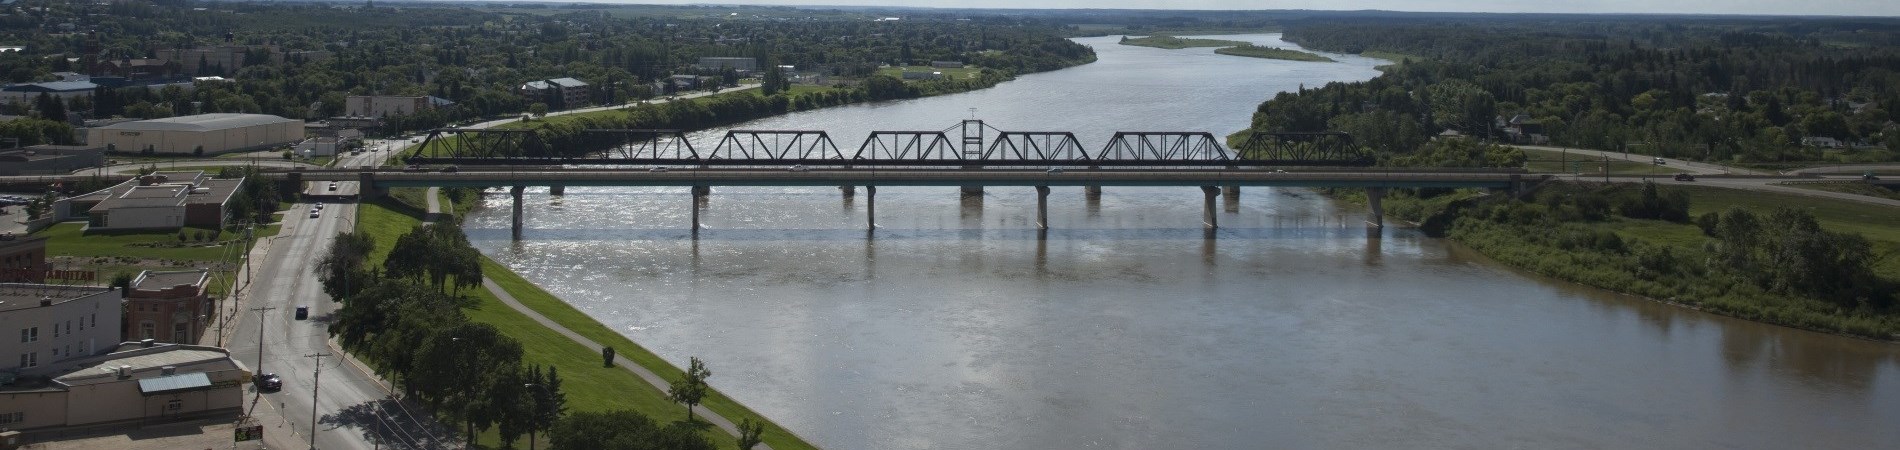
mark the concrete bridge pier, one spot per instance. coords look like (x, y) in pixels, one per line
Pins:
(699, 197)
(848, 190)
(515, 192)
(870, 208)
(557, 190)
(1209, 217)
(1042, 208)
(973, 190)
(1092, 192)
(1375, 214)
(365, 185)
(1232, 191)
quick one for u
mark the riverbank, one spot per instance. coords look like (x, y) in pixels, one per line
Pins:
(589, 385)
(1263, 52)
(1671, 262)
(1175, 43)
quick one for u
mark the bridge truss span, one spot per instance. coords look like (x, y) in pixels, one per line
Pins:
(776, 146)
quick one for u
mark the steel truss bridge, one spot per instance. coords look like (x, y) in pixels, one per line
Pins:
(974, 145)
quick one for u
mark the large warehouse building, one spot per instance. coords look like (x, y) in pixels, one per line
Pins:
(214, 133)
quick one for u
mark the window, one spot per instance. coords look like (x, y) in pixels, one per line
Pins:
(178, 333)
(28, 360)
(95, 319)
(30, 334)
(55, 330)
(146, 329)
(12, 418)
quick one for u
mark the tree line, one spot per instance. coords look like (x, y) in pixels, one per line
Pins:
(1716, 89)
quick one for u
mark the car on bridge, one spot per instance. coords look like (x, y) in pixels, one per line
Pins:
(798, 168)
(657, 169)
(1055, 171)
(1685, 177)
(449, 169)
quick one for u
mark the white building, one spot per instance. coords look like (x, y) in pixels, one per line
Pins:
(44, 324)
(185, 135)
(148, 384)
(389, 105)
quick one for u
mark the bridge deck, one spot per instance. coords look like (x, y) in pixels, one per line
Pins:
(941, 177)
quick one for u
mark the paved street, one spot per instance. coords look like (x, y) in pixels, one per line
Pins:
(353, 409)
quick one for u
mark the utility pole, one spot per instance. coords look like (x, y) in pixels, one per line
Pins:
(260, 335)
(315, 381)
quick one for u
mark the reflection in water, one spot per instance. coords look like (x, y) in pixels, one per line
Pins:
(1127, 326)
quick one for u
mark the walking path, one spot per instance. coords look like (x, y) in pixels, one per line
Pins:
(654, 379)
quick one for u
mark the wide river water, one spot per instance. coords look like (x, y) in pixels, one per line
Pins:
(954, 327)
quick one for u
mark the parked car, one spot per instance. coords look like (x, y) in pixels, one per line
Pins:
(303, 312)
(268, 382)
(1685, 177)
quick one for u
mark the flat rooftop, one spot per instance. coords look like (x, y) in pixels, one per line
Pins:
(18, 296)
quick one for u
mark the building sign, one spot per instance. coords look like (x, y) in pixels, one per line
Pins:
(249, 433)
(67, 275)
(72, 275)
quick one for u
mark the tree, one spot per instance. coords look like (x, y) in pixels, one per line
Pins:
(774, 81)
(549, 403)
(751, 433)
(464, 364)
(689, 390)
(538, 109)
(50, 107)
(344, 269)
(622, 430)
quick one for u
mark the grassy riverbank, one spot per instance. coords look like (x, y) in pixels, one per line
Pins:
(1175, 43)
(1575, 232)
(589, 386)
(1255, 51)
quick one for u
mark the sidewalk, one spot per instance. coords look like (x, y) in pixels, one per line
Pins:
(654, 379)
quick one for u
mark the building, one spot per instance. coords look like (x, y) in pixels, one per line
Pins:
(208, 134)
(558, 93)
(741, 65)
(135, 383)
(22, 260)
(390, 105)
(168, 306)
(44, 324)
(920, 75)
(50, 159)
(160, 201)
(63, 90)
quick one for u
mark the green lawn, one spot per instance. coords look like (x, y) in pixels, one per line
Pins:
(590, 387)
(1545, 161)
(957, 73)
(68, 239)
(1856, 188)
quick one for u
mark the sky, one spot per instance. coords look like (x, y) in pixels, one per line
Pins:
(1888, 8)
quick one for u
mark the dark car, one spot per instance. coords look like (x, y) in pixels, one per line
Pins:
(1869, 176)
(303, 312)
(449, 169)
(1685, 177)
(268, 382)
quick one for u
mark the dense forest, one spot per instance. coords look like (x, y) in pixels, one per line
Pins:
(477, 56)
(1738, 90)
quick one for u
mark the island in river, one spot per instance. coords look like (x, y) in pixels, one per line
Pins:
(1232, 48)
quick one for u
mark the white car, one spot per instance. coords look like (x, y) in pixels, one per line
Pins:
(1055, 171)
(799, 168)
(657, 169)
(314, 213)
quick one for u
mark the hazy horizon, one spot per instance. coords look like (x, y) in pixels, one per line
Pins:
(1863, 8)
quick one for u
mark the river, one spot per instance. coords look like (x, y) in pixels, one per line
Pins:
(954, 327)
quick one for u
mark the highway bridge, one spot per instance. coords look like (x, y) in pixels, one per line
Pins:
(1211, 181)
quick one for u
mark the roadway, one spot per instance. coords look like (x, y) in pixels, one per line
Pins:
(353, 407)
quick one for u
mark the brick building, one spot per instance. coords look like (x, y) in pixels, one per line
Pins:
(167, 306)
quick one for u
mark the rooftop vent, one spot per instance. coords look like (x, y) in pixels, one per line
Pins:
(146, 342)
(168, 370)
(125, 371)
